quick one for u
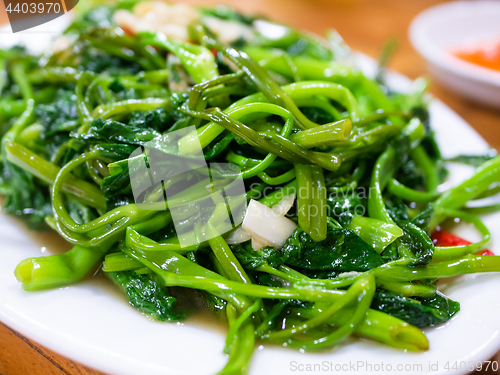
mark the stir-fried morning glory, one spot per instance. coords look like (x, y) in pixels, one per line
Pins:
(130, 137)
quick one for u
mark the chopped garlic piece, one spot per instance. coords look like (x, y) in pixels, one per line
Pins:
(284, 205)
(171, 20)
(61, 43)
(256, 245)
(238, 236)
(266, 226)
(228, 31)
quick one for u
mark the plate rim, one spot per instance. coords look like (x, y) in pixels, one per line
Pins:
(102, 362)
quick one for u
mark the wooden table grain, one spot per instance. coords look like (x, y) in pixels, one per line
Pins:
(365, 25)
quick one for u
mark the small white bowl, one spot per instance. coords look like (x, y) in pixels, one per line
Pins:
(442, 28)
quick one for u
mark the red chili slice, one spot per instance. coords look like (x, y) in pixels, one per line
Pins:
(441, 238)
(485, 252)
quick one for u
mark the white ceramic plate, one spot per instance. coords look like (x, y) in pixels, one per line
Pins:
(93, 325)
(458, 24)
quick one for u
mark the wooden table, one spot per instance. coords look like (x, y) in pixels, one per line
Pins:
(365, 25)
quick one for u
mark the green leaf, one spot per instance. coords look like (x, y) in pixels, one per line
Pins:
(342, 250)
(108, 130)
(475, 160)
(146, 295)
(421, 312)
